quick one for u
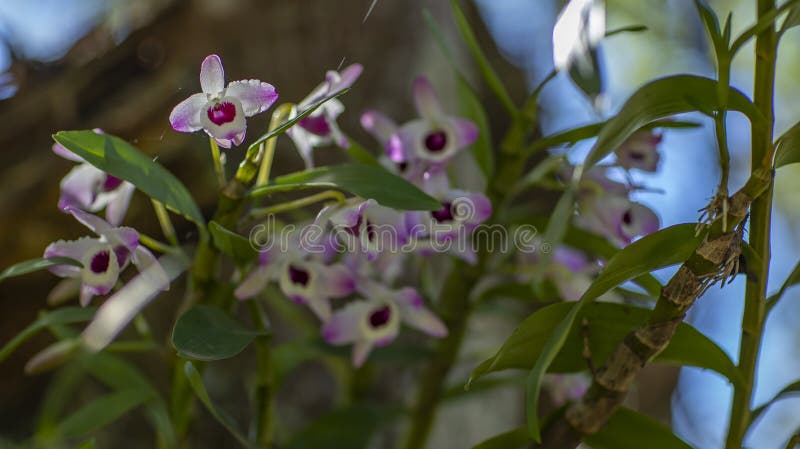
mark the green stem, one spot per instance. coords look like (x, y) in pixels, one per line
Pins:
(760, 216)
(264, 394)
(166, 224)
(296, 204)
(219, 168)
(454, 310)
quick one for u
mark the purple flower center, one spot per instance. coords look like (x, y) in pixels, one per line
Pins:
(100, 262)
(316, 125)
(298, 276)
(111, 183)
(436, 140)
(222, 113)
(444, 214)
(402, 166)
(380, 317)
(627, 218)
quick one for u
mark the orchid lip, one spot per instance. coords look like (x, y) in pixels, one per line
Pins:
(100, 262)
(443, 215)
(380, 317)
(436, 141)
(221, 113)
(298, 276)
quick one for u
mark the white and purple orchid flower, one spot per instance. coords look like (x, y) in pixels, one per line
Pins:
(640, 151)
(219, 110)
(616, 217)
(461, 213)
(302, 280)
(104, 258)
(375, 321)
(92, 190)
(366, 227)
(320, 128)
(435, 137)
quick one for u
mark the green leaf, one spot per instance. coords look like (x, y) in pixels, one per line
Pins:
(470, 104)
(660, 99)
(346, 428)
(513, 439)
(362, 180)
(221, 416)
(280, 129)
(628, 429)
(790, 390)
(792, 19)
(207, 333)
(626, 29)
(607, 326)
(575, 135)
(121, 375)
(100, 413)
(231, 243)
(359, 154)
(66, 315)
(661, 249)
(121, 159)
(471, 108)
(486, 69)
(32, 265)
(711, 23)
(787, 147)
(792, 280)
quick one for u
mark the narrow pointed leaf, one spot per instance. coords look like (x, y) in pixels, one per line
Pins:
(470, 104)
(628, 429)
(207, 333)
(101, 412)
(121, 159)
(196, 382)
(362, 180)
(29, 266)
(280, 129)
(486, 69)
(792, 389)
(792, 280)
(65, 315)
(575, 135)
(663, 98)
(787, 147)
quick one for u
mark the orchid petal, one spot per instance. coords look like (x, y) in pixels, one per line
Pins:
(118, 206)
(186, 116)
(212, 75)
(379, 125)
(343, 327)
(426, 100)
(466, 131)
(256, 96)
(75, 249)
(62, 151)
(415, 314)
(148, 266)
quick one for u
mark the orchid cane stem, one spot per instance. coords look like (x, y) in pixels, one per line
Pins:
(278, 117)
(760, 217)
(296, 204)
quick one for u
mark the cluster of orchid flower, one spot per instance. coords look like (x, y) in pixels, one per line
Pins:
(355, 259)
